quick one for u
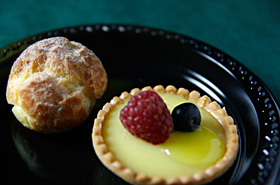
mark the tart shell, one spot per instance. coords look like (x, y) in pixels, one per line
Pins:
(209, 174)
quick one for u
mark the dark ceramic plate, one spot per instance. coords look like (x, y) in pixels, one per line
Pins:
(135, 57)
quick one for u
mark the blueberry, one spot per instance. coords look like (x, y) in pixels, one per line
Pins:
(186, 117)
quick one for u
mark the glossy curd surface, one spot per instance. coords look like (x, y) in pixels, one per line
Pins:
(183, 153)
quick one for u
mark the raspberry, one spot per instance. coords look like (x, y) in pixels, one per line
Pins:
(146, 116)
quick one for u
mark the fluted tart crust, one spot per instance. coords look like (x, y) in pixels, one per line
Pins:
(200, 177)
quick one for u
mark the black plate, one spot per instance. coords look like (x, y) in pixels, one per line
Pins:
(135, 57)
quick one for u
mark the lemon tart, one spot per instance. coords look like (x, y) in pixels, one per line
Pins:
(193, 157)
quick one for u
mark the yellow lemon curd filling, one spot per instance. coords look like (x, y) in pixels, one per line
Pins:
(183, 153)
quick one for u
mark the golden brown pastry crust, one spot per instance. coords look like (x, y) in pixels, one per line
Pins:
(212, 172)
(53, 85)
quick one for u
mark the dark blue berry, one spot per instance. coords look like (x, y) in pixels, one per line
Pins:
(186, 117)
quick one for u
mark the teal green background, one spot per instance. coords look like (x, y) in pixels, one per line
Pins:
(249, 30)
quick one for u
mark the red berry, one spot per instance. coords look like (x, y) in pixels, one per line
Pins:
(146, 116)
